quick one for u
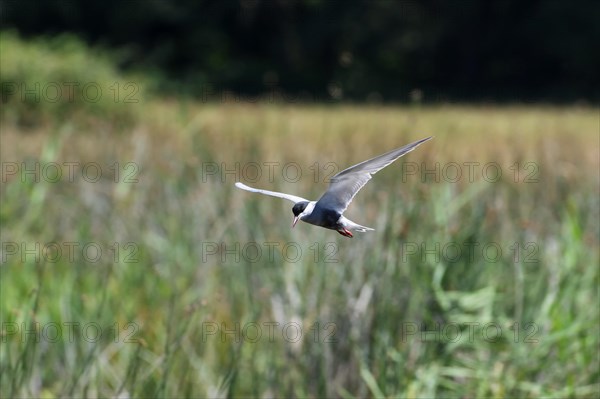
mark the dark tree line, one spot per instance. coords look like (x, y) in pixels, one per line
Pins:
(358, 50)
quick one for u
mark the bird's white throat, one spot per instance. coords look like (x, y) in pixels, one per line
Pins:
(308, 210)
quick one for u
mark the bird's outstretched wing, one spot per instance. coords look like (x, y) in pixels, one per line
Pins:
(288, 197)
(347, 183)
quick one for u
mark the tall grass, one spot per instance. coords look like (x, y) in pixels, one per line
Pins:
(380, 314)
(471, 285)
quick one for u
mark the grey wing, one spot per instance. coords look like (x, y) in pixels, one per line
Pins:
(288, 197)
(347, 183)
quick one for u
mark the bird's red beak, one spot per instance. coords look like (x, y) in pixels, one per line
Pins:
(296, 218)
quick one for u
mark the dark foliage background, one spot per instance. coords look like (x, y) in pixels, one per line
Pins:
(390, 50)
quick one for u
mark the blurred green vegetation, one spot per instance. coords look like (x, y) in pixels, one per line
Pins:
(432, 51)
(58, 78)
(159, 207)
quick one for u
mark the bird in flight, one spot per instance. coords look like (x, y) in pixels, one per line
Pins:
(328, 211)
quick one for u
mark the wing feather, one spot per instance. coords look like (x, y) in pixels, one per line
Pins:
(344, 186)
(288, 197)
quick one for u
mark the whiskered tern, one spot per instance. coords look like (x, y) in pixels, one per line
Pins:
(328, 210)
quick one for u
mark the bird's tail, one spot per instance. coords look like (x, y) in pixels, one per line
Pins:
(350, 225)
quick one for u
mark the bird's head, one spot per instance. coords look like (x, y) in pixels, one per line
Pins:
(299, 211)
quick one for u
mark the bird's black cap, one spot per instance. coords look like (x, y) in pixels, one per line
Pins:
(299, 207)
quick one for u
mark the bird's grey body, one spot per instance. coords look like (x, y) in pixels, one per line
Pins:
(328, 210)
(331, 219)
